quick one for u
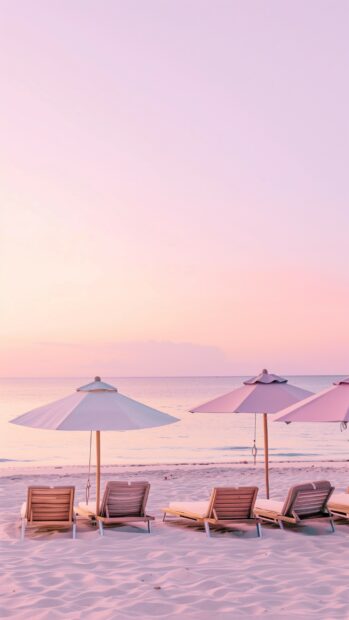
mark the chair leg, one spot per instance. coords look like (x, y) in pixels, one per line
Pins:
(207, 529)
(259, 529)
(22, 529)
(281, 525)
(332, 525)
(74, 530)
(149, 527)
(164, 517)
(100, 525)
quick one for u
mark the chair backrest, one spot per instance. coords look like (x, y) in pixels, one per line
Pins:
(308, 499)
(125, 499)
(50, 504)
(233, 502)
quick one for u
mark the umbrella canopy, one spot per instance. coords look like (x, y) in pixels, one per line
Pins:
(97, 406)
(330, 405)
(267, 393)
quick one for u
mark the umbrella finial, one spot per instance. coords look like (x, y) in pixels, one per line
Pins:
(265, 377)
(97, 386)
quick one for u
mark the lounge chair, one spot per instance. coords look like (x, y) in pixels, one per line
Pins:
(226, 506)
(123, 502)
(48, 507)
(303, 502)
(339, 505)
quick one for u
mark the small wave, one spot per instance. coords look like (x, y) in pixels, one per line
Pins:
(17, 460)
(233, 448)
(287, 454)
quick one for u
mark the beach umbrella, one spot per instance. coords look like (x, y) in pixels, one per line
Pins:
(266, 394)
(97, 407)
(329, 405)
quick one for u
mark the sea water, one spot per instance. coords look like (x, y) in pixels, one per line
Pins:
(196, 438)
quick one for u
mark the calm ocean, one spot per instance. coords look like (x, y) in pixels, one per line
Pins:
(198, 438)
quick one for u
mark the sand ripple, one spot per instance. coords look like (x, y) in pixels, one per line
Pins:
(176, 572)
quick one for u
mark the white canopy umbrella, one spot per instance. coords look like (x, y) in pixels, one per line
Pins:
(266, 393)
(98, 407)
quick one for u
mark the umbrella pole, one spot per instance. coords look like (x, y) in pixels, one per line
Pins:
(98, 470)
(266, 453)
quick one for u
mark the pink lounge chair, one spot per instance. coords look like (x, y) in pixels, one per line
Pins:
(48, 507)
(339, 505)
(226, 507)
(123, 502)
(303, 502)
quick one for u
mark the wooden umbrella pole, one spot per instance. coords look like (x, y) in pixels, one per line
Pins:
(98, 470)
(266, 453)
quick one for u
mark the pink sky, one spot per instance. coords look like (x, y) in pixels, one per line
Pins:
(173, 187)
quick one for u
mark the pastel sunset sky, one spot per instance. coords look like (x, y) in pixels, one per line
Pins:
(174, 192)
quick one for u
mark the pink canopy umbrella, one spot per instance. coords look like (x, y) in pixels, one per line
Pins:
(330, 405)
(265, 394)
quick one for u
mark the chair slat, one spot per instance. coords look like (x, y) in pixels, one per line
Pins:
(52, 506)
(234, 503)
(124, 499)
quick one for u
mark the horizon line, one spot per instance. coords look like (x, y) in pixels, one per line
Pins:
(321, 374)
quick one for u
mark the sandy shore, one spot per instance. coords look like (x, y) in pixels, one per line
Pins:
(176, 572)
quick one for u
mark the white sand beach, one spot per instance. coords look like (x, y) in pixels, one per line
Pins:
(176, 572)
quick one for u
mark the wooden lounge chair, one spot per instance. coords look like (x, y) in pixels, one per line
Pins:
(338, 505)
(226, 506)
(49, 507)
(123, 502)
(303, 502)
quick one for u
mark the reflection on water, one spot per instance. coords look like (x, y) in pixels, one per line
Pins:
(196, 438)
